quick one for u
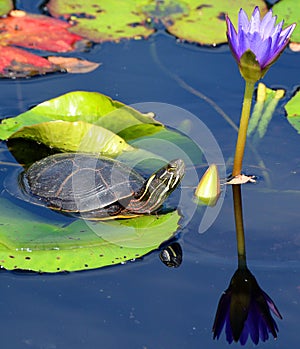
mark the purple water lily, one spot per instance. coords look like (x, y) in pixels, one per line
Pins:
(244, 309)
(261, 36)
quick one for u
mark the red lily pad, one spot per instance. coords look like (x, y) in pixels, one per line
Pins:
(17, 63)
(37, 32)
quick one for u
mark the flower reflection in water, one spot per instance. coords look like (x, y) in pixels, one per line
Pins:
(244, 308)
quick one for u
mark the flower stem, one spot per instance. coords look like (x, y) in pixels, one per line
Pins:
(239, 225)
(242, 134)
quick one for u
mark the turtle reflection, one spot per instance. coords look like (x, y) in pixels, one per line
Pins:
(244, 308)
(171, 255)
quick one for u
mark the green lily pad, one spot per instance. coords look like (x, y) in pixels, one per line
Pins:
(5, 7)
(85, 121)
(293, 111)
(31, 242)
(90, 107)
(69, 136)
(105, 21)
(202, 23)
(91, 122)
(289, 10)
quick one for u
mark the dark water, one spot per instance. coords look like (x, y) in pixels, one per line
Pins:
(144, 304)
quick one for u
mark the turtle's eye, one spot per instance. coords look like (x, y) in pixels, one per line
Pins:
(171, 168)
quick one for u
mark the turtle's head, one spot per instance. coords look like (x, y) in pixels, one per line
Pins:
(166, 179)
(159, 186)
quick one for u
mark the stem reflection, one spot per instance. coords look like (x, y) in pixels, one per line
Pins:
(244, 309)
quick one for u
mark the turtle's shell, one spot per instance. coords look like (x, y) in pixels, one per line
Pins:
(80, 183)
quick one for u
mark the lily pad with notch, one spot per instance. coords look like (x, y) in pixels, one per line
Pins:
(32, 242)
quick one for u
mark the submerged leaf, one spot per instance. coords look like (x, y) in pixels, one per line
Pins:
(264, 108)
(73, 65)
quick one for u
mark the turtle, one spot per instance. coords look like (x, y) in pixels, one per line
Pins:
(98, 188)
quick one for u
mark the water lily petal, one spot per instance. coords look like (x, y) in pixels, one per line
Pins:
(274, 47)
(231, 32)
(253, 324)
(232, 37)
(286, 33)
(272, 305)
(265, 314)
(243, 21)
(228, 331)
(244, 335)
(267, 24)
(263, 331)
(243, 42)
(255, 42)
(275, 38)
(221, 315)
(278, 28)
(282, 42)
(263, 52)
(255, 21)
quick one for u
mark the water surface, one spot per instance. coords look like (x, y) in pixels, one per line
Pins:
(144, 304)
